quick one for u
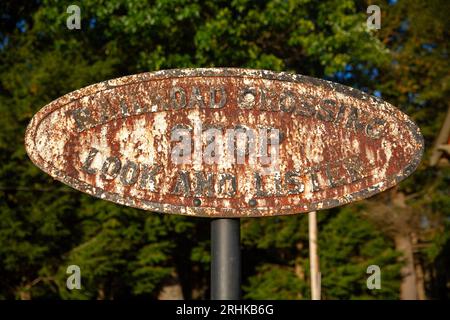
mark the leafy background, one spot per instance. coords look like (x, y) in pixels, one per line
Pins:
(128, 253)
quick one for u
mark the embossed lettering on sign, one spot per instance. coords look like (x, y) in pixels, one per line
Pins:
(224, 142)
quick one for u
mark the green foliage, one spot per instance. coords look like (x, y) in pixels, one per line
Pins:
(348, 244)
(124, 252)
(274, 282)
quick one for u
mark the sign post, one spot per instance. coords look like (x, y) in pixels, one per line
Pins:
(225, 259)
(224, 144)
(313, 256)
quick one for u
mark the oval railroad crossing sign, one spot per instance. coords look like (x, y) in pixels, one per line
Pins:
(224, 142)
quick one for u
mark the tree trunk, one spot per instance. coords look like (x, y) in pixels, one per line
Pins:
(25, 294)
(172, 290)
(421, 295)
(101, 293)
(408, 289)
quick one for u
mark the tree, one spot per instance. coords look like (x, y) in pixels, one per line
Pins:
(124, 252)
(417, 80)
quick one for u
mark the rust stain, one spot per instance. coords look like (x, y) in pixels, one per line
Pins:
(113, 140)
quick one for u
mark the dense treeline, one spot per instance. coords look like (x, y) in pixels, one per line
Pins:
(123, 252)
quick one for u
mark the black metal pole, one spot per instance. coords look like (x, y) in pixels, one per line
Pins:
(225, 259)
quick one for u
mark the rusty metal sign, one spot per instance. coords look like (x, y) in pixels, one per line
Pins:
(224, 142)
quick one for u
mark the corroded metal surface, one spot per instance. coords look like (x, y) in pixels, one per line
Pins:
(113, 140)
